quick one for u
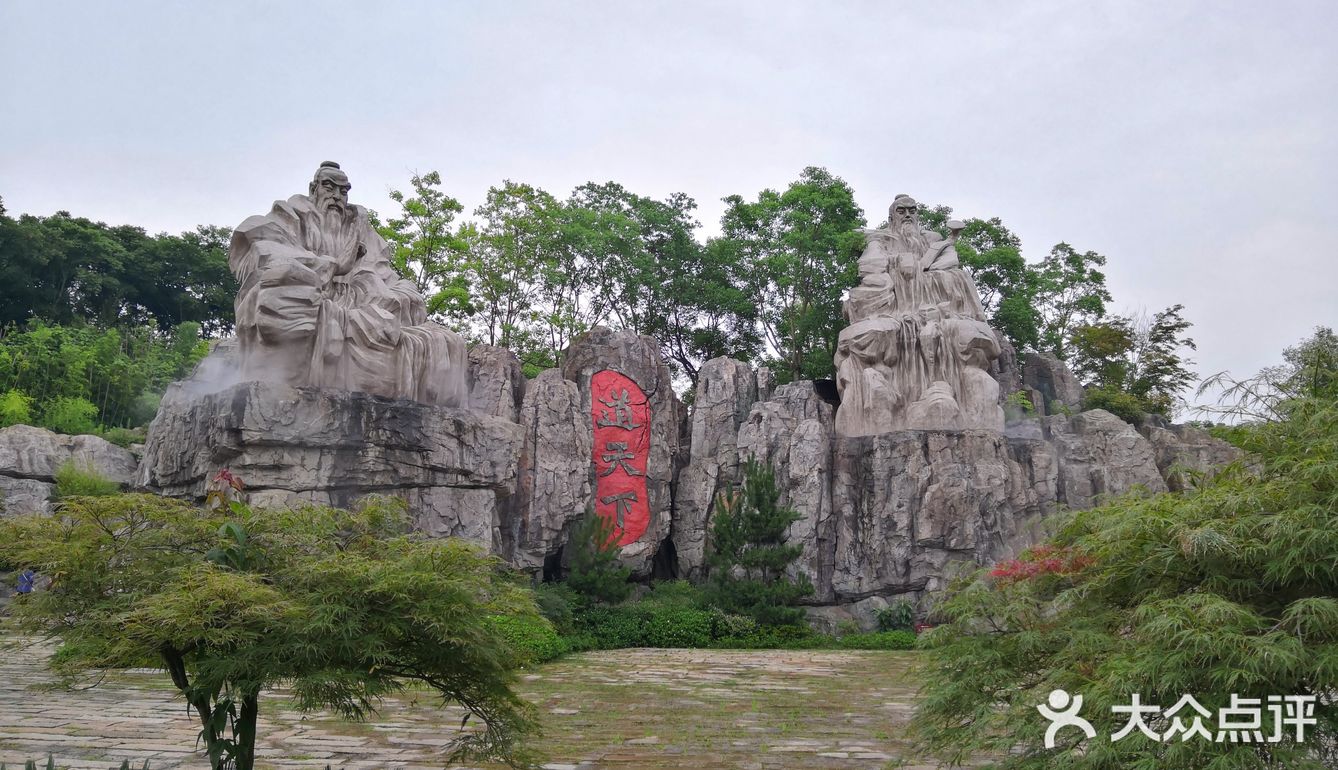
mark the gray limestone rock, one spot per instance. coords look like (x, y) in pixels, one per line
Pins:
(792, 433)
(456, 468)
(1185, 453)
(22, 496)
(1101, 456)
(638, 358)
(30, 457)
(496, 382)
(1050, 377)
(553, 483)
(726, 390)
(1006, 370)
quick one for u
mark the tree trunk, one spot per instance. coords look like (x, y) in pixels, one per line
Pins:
(244, 731)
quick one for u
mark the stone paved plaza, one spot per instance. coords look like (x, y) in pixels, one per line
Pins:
(658, 709)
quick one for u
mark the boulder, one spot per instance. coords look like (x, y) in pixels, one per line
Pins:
(456, 468)
(496, 382)
(553, 482)
(30, 457)
(1050, 377)
(726, 390)
(1101, 456)
(1185, 454)
(638, 358)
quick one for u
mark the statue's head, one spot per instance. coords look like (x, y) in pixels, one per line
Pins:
(904, 209)
(329, 187)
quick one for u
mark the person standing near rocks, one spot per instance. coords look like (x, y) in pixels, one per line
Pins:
(26, 579)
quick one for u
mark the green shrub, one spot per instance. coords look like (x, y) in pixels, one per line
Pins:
(15, 409)
(70, 414)
(559, 603)
(727, 626)
(676, 593)
(534, 640)
(1224, 591)
(1020, 403)
(124, 437)
(678, 627)
(1125, 406)
(75, 481)
(878, 640)
(613, 628)
(778, 638)
(897, 616)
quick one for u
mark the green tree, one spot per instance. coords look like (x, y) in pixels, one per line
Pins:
(1159, 371)
(428, 248)
(67, 269)
(1229, 588)
(1309, 370)
(1070, 292)
(803, 247)
(15, 408)
(340, 607)
(1007, 284)
(1139, 362)
(658, 280)
(508, 250)
(120, 371)
(593, 570)
(749, 554)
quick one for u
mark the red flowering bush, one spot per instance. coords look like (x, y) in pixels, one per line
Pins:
(1041, 560)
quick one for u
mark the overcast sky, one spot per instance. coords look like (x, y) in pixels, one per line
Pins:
(1194, 144)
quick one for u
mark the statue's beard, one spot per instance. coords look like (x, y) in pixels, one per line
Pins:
(911, 234)
(334, 212)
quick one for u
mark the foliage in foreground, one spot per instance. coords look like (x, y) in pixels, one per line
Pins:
(679, 614)
(341, 607)
(1232, 588)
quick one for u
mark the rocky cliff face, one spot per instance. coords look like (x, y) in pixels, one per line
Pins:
(889, 515)
(456, 468)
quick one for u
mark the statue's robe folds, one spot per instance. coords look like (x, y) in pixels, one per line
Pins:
(320, 305)
(917, 349)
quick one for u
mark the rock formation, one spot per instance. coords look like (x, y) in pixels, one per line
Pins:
(456, 468)
(30, 457)
(320, 305)
(918, 352)
(336, 390)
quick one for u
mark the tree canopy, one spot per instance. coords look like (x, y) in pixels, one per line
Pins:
(67, 269)
(340, 607)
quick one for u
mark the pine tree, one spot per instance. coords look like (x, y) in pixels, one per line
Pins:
(594, 571)
(749, 555)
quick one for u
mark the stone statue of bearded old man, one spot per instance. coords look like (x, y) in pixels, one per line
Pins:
(320, 305)
(917, 352)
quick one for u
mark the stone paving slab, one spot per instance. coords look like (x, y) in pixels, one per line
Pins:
(634, 709)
